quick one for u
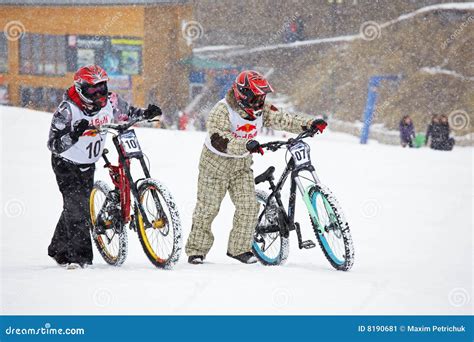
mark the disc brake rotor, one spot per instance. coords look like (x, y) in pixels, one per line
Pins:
(333, 226)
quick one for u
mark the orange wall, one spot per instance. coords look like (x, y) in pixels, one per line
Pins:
(105, 21)
(159, 26)
(102, 21)
(165, 47)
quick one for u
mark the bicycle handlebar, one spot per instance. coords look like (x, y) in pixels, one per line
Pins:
(117, 127)
(276, 145)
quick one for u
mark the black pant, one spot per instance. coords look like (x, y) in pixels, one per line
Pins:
(71, 241)
(443, 145)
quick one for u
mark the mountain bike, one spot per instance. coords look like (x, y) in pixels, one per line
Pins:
(271, 237)
(145, 206)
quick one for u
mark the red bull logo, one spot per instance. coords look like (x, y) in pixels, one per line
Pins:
(247, 131)
(99, 121)
(247, 128)
(90, 133)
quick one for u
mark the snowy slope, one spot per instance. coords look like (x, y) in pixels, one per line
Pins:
(410, 212)
(238, 50)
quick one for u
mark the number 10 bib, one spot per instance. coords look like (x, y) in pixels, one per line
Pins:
(88, 149)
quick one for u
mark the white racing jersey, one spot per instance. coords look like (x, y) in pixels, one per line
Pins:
(88, 149)
(240, 128)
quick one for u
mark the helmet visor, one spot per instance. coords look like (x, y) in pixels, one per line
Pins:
(99, 89)
(96, 94)
(251, 100)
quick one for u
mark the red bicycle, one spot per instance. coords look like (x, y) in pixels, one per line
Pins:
(145, 206)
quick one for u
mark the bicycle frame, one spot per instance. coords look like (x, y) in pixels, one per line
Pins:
(289, 216)
(122, 179)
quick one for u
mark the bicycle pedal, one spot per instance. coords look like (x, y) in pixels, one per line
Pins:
(308, 244)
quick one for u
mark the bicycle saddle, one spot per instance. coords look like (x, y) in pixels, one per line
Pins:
(267, 175)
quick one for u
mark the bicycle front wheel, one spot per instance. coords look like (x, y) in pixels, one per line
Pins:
(161, 240)
(331, 228)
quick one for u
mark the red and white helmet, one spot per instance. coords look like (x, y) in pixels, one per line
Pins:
(91, 86)
(250, 89)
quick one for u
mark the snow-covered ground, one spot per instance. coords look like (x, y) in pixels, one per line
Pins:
(410, 213)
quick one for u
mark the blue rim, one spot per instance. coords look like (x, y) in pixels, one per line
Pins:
(321, 236)
(260, 253)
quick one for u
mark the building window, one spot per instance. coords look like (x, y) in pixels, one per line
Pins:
(3, 54)
(118, 56)
(42, 98)
(43, 54)
(124, 56)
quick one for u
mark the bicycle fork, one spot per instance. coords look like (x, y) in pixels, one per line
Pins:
(307, 244)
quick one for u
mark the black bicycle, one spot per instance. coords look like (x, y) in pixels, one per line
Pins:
(144, 205)
(271, 237)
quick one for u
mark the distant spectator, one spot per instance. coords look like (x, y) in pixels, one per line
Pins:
(438, 134)
(447, 141)
(407, 131)
(183, 121)
(294, 30)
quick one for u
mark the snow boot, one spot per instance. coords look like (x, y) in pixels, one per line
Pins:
(75, 265)
(196, 259)
(246, 258)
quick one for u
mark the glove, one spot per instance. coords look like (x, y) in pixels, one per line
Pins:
(78, 129)
(319, 125)
(151, 112)
(253, 146)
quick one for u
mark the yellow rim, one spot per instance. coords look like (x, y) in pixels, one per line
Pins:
(91, 205)
(141, 228)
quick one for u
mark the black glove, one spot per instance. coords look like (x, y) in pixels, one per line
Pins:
(78, 129)
(253, 146)
(319, 125)
(151, 112)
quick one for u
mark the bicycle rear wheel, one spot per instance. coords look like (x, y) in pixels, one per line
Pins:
(271, 249)
(109, 235)
(331, 228)
(161, 241)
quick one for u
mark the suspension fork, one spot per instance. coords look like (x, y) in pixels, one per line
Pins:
(305, 194)
(146, 171)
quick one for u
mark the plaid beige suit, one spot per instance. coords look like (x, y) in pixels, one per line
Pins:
(219, 174)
